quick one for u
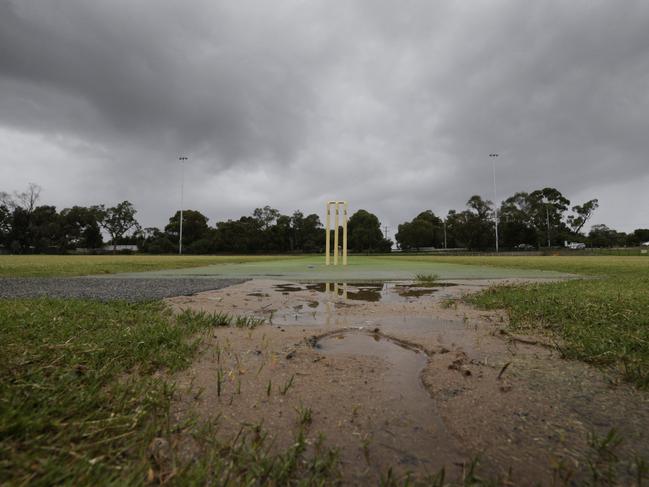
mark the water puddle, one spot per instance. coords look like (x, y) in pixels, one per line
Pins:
(408, 361)
(368, 292)
(410, 426)
(288, 288)
(344, 305)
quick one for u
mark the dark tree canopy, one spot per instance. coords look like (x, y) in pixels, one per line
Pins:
(364, 233)
(641, 235)
(525, 220)
(117, 220)
(81, 227)
(194, 227)
(425, 230)
(603, 236)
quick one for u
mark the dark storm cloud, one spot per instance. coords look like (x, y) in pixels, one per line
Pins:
(184, 78)
(393, 106)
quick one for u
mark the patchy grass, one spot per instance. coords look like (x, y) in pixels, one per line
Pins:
(84, 393)
(603, 320)
(206, 320)
(86, 265)
(427, 279)
(85, 399)
(602, 464)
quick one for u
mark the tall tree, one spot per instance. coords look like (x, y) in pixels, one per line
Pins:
(365, 233)
(19, 239)
(515, 221)
(155, 241)
(45, 230)
(641, 235)
(425, 230)
(26, 200)
(603, 236)
(474, 227)
(548, 206)
(81, 228)
(194, 227)
(279, 237)
(308, 233)
(582, 214)
(266, 216)
(117, 220)
(5, 225)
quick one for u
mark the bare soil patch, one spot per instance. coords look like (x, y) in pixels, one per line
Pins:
(396, 378)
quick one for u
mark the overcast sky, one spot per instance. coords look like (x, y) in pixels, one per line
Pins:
(391, 105)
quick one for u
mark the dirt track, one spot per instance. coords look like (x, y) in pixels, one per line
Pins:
(396, 378)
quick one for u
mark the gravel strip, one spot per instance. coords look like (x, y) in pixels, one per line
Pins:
(107, 288)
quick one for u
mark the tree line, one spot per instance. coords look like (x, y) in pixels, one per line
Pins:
(526, 220)
(541, 218)
(26, 227)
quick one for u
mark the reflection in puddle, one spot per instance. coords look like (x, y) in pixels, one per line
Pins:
(288, 288)
(333, 304)
(416, 293)
(355, 291)
(371, 292)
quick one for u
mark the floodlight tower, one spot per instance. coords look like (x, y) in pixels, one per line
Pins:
(547, 203)
(493, 159)
(182, 160)
(444, 221)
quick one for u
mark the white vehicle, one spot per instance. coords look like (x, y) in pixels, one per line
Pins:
(574, 245)
(645, 244)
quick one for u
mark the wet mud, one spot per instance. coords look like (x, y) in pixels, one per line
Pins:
(396, 377)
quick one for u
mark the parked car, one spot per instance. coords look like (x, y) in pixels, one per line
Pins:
(575, 245)
(524, 246)
(645, 244)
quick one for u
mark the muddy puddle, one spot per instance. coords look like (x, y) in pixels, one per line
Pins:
(370, 292)
(398, 378)
(413, 430)
(338, 305)
(391, 307)
(405, 364)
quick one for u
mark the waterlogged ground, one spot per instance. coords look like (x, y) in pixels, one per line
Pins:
(397, 378)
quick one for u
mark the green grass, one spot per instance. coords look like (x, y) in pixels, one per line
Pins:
(361, 267)
(85, 388)
(427, 279)
(85, 265)
(591, 265)
(603, 320)
(84, 391)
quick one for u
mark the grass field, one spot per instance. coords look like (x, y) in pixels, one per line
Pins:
(360, 268)
(82, 397)
(86, 265)
(603, 320)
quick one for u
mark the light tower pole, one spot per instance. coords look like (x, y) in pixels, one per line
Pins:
(493, 159)
(444, 221)
(546, 203)
(182, 160)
